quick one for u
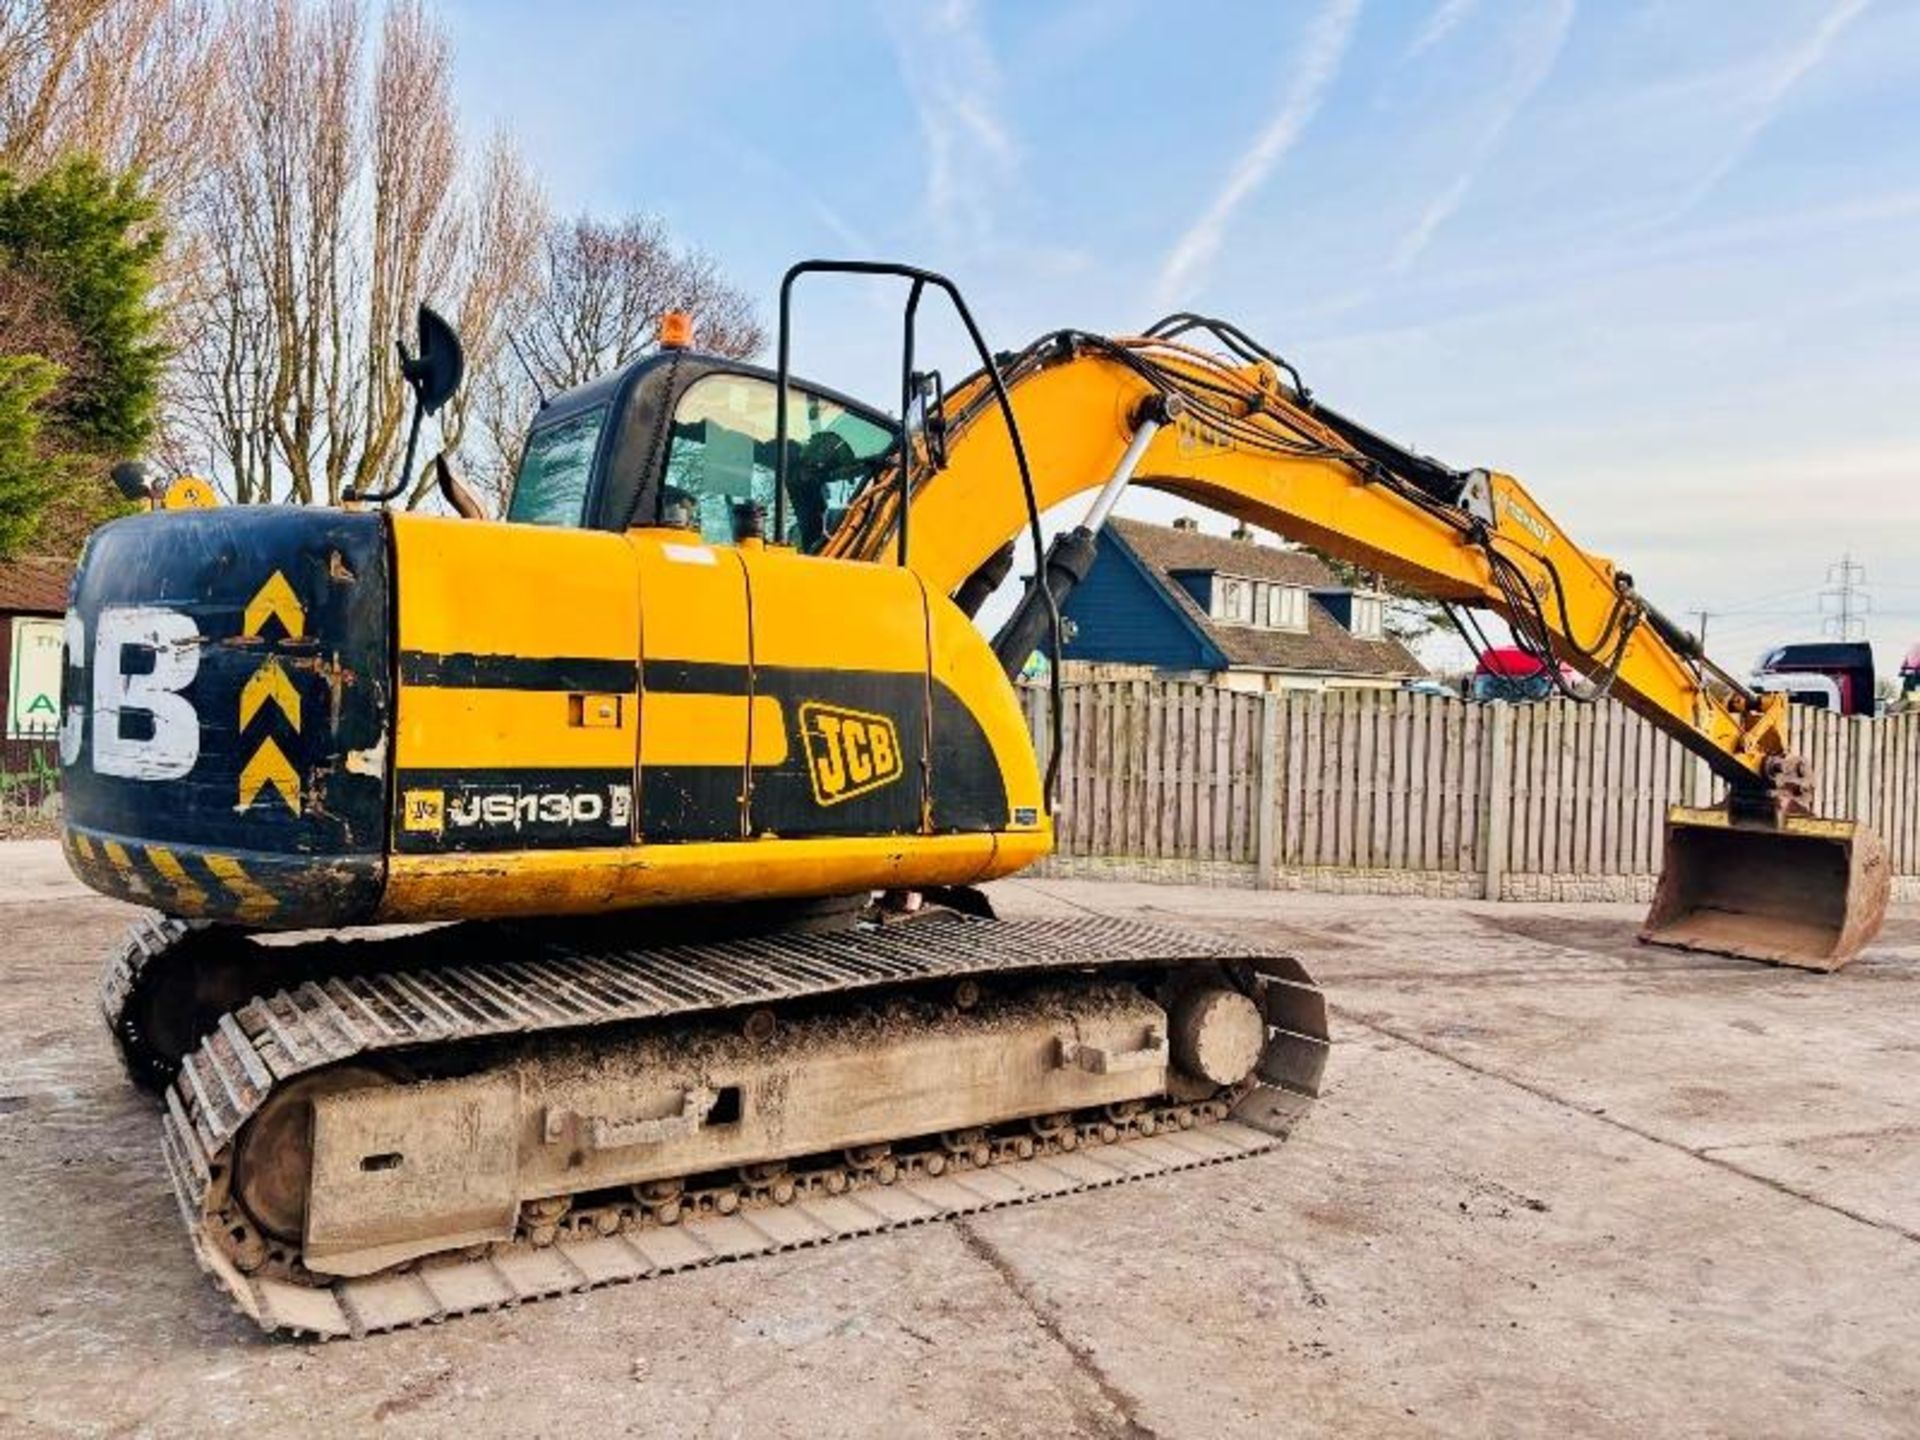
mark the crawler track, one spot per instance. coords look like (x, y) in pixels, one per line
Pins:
(557, 989)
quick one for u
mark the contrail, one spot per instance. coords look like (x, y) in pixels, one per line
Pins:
(1326, 44)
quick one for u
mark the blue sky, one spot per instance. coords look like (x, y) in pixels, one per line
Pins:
(1659, 260)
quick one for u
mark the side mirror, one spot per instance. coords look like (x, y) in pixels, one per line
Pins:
(433, 375)
(139, 479)
(435, 372)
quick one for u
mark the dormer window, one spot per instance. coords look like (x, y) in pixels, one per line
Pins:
(1259, 603)
(1286, 607)
(1233, 601)
(1369, 617)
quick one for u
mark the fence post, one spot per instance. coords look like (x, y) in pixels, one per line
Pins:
(1702, 784)
(1497, 798)
(1863, 736)
(1267, 797)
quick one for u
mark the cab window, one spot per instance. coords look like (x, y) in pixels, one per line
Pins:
(722, 456)
(551, 487)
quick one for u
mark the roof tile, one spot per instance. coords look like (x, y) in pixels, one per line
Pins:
(33, 586)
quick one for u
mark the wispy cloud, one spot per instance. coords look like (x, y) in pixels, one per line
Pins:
(852, 240)
(951, 77)
(1536, 65)
(1312, 73)
(1445, 17)
(1795, 65)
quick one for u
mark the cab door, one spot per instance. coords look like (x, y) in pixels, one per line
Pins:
(783, 694)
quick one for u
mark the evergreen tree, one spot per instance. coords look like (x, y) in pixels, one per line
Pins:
(27, 479)
(80, 247)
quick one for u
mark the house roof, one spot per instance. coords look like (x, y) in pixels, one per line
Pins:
(1326, 647)
(34, 586)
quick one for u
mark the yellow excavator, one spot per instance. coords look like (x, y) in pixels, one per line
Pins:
(580, 898)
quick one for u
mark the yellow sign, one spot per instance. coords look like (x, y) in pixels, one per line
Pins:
(424, 810)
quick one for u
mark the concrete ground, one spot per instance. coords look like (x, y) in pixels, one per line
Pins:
(1558, 1184)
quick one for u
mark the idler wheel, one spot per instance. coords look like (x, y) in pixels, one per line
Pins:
(273, 1159)
(1217, 1034)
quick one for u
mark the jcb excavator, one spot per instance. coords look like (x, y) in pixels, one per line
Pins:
(700, 758)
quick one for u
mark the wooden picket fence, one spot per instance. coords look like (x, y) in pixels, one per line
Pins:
(1391, 791)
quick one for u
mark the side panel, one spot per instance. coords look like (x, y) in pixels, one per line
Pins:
(699, 724)
(841, 648)
(225, 701)
(984, 771)
(783, 731)
(518, 712)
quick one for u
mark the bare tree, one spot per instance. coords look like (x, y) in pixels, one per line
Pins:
(501, 258)
(602, 288)
(605, 287)
(340, 204)
(316, 187)
(136, 83)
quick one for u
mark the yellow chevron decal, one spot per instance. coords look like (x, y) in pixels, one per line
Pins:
(256, 902)
(269, 766)
(269, 682)
(185, 891)
(82, 846)
(275, 599)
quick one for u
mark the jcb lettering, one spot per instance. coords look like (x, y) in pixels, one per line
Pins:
(849, 752)
(143, 727)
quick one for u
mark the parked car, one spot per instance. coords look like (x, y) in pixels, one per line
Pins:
(1508, 674)
(1816, 692)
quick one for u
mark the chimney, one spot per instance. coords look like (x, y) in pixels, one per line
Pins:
(1243, 531)
(1186, 522)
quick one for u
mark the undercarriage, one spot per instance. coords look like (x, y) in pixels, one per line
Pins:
(458, 1119)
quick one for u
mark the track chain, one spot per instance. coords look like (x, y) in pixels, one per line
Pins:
(554, 988)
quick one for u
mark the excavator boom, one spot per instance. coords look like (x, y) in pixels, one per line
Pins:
(1757, 878)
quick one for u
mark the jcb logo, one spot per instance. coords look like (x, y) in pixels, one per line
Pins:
(424, 810)
(849, 752)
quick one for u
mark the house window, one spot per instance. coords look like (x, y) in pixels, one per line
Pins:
(1233, 601)
(1259, 603)
(1368, 617)
(1286, 607)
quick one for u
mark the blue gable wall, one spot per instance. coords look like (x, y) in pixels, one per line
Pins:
(1123, 616)
(1198, 584)
(1337, 603)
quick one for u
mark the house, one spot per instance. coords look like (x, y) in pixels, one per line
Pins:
(1175, 603)
(33, 602)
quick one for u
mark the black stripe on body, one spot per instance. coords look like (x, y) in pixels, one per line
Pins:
(518, 672)
(695, 677)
